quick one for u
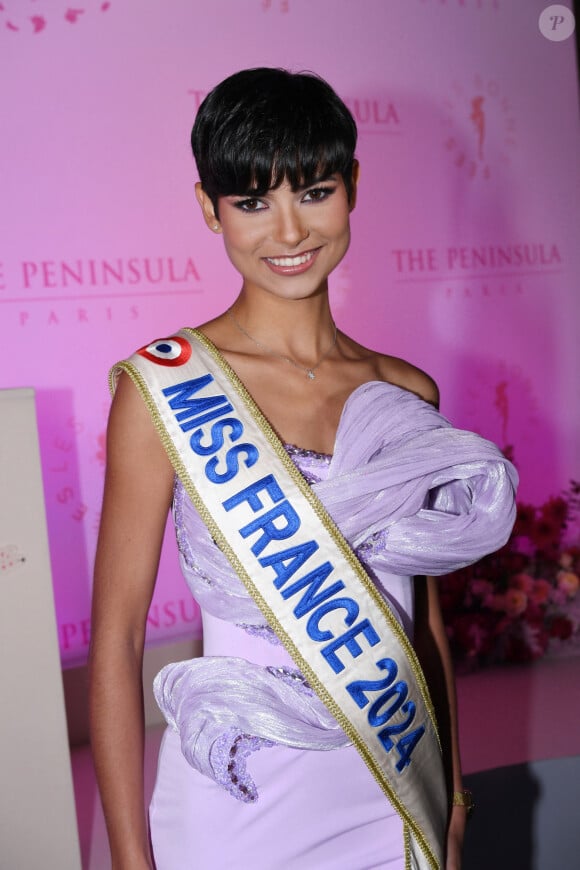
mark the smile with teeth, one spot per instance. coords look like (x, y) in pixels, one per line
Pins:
(298, 260)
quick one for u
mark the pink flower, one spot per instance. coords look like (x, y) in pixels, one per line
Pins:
(559, 597)
(524, 582)
(541, 591)
(568, 582)
(473, 633)
(511, 604)
(516, 602)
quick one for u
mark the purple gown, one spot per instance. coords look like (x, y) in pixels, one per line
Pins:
(253, 770)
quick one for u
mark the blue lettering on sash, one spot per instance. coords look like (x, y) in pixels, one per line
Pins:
(216, 408)
(313, 624)
(181, 392)
(192, 412)
(378, 717)
(232, 464)
(312, 583)
(280, 521)
(216, 435)
(250, 494)
(270, 531)
(295, 556)
(348, 640)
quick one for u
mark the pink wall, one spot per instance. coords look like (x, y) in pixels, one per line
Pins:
(465, 255)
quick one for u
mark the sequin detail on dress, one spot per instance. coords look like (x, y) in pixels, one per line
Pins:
(373, 545)
(291, 676)
(181, 534)
(311, 464)
(213, 701)
(264, 632)
(228, 758)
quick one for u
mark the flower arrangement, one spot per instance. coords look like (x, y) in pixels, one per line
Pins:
(524, 600)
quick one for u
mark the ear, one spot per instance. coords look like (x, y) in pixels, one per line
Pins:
(354, 184)
(207, 209)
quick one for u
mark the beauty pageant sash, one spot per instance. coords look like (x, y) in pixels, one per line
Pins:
(294, 562)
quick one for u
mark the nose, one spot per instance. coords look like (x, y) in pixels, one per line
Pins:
(290, 228)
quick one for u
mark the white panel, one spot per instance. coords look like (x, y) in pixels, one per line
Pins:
(38, 827)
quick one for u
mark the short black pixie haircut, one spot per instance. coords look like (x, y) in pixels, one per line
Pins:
(260, 127)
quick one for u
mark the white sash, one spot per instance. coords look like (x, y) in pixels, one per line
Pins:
(301, 572)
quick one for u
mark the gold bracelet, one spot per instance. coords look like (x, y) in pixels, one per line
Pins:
(464, 798)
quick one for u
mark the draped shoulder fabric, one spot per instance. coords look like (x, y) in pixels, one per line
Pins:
(440, 497)
(412, 495)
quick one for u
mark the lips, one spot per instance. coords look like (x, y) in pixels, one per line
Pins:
(292, 265)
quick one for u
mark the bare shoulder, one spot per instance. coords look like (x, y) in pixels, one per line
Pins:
(132, 438)
(129, 415)
(137, 497)
(393, 370)
(407, 376)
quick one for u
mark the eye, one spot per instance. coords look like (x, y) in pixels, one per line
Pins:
(318, 194)
(252, 203)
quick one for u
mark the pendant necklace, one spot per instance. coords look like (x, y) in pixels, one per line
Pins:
(309, 371)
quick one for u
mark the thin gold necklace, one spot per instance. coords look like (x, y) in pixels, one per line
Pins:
(309, 371)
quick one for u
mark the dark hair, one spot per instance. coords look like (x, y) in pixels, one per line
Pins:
(261, 126)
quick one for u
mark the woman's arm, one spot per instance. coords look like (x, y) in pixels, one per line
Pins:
(138, 489)
(432, 649)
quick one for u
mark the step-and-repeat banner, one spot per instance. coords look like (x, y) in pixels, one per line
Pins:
(465, 255)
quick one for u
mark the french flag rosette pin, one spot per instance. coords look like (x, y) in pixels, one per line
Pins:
(173, 351)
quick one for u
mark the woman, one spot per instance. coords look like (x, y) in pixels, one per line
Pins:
(278, 180)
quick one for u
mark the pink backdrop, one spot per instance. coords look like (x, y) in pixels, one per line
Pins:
(465, 255)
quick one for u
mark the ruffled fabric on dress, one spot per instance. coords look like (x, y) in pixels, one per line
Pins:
(224, 708)
(411, 494)
(435, 497)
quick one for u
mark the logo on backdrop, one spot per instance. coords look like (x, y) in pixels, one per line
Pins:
(477, 271)
(46, 16)
(501, 401)
(375, 114)
(83, 290)
(480, 128)
(175, 615)
(275, 5)
(372, 114)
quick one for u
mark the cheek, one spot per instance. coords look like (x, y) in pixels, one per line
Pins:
(340, 229)
(239, 247)
(239, 235)
(234, 255)
(338, 222)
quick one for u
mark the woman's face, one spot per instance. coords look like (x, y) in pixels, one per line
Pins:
(285, 242)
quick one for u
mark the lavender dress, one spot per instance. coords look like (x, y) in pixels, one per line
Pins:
(412, 496)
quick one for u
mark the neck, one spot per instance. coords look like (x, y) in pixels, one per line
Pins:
(299, 328)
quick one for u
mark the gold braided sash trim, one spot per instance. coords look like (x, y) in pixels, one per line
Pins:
(302, 574)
